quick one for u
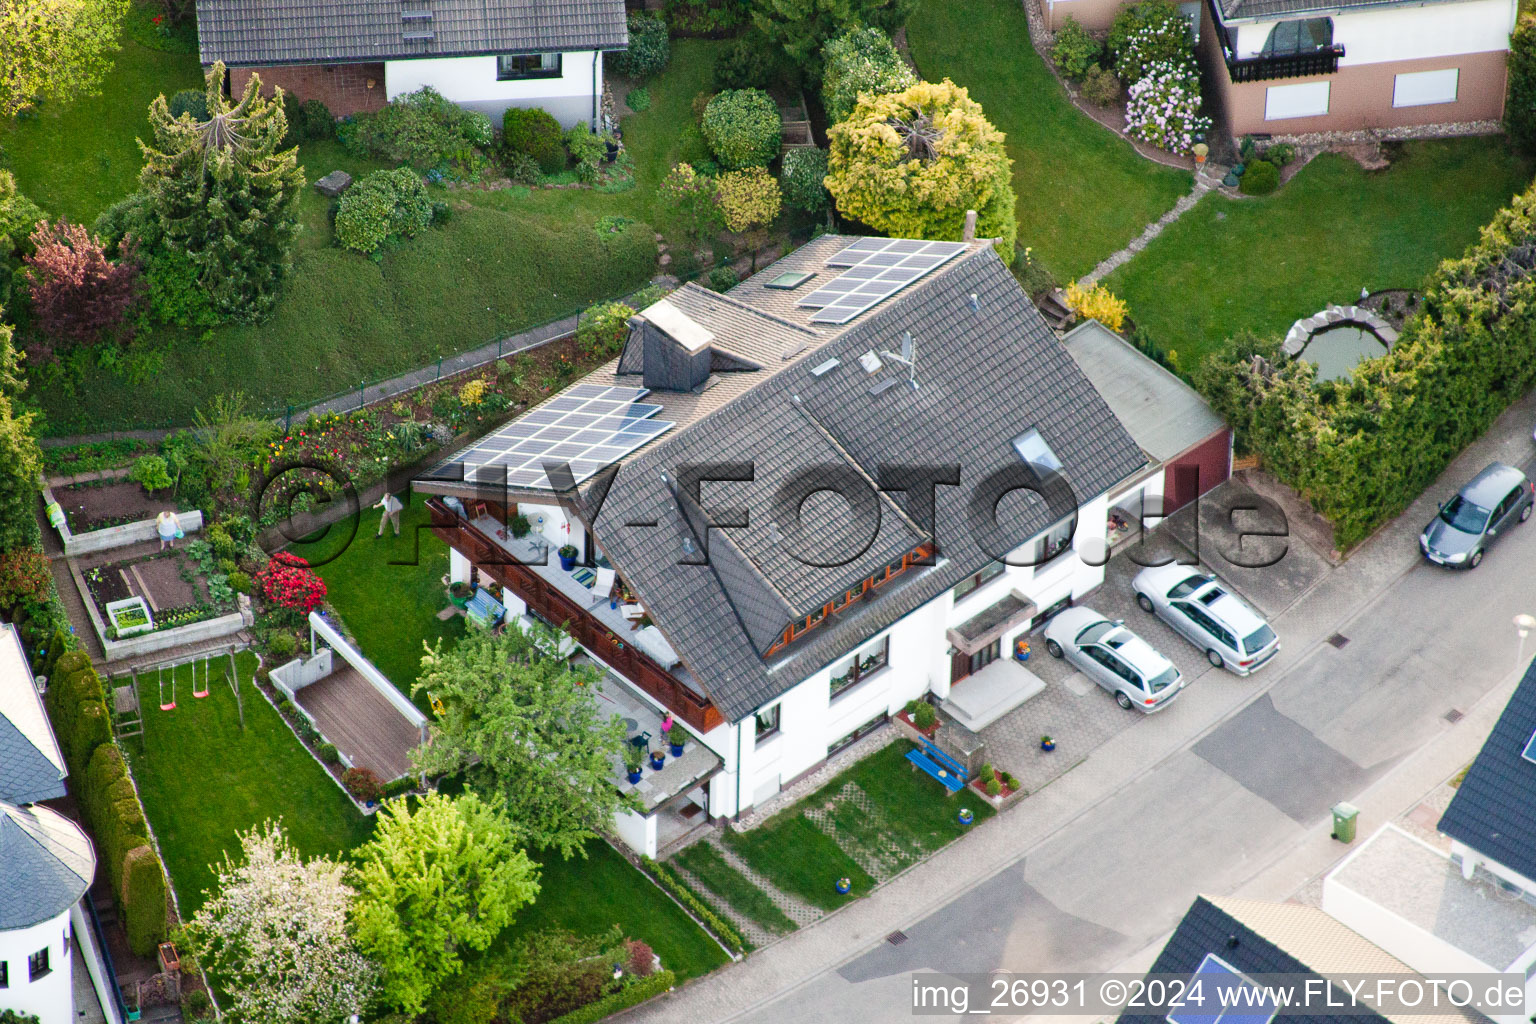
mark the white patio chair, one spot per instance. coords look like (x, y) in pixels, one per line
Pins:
(602, 587)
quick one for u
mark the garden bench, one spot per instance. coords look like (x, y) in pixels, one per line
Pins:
(484, 610)
(930, 759)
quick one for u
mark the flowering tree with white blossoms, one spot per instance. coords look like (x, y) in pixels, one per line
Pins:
(275, 934)
(1163, 107)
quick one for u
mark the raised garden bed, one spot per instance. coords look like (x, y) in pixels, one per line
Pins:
(130, 616)
(180, 593)
(102, 504)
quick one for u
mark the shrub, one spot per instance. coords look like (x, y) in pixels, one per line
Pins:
(150, 473)
(1097, 303)
(1280, 154)
(537, 133)
(705, 17)
(240, 582)
(690, 198)
(750, 62)
(1075, 51)
(994, 788)
(363, 785)
(521, 168)
(282, 646)
(603, 328)
(1261, 178)
(631, 995)
(723, 279)
(288, 582)
(861, 60)
(638, 100)
(640, 958)
(189, 101)
(802, 177)
(318, 123)
(588, 148)
(748, 199)
(424, 130)
(472, 392)
(382, 206)
(1148, 33)
(77, 293)
(399, 787)
(1520, 102)
(925, 715)
(1100, 87)
(143, 900)
(1163, 108)
(174, 295)
(649, 48)
(986, 771)
(1013, 781)
(328, 753)
(24, 577)
(742, 127)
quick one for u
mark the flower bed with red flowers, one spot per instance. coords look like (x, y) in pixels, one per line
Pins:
(289, 582)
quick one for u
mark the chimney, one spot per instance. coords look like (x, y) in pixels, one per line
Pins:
(969, 234)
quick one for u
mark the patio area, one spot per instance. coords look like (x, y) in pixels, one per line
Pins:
(642, 722)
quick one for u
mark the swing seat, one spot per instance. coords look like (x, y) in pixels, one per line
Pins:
(168, 707)
(203, 692)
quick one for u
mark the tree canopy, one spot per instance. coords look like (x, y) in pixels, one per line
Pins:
(802, 27)
(221, 192)
(522, 723)
(21, 461)
(861, 60)
(912, 163)
(434, 883)
(55, 49)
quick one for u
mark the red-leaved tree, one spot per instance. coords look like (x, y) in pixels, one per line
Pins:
(78, 294)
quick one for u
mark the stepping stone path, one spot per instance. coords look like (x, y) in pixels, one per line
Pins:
(1154, 229)
(796, 909)
(873, 850)
(745, 926)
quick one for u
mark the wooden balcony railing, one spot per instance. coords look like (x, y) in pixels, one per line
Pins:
(553, 606)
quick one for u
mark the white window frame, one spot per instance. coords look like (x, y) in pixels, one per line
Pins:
(1304, 96)
(1425, 88)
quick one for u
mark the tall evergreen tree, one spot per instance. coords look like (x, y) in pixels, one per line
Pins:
(20, 458)
(223, 194)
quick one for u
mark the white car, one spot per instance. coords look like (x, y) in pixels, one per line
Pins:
(1209, 615)
(1115, 658)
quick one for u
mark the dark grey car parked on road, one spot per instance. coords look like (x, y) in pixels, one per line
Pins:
(1482, 511)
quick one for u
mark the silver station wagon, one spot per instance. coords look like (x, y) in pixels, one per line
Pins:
(1115, 658)
(1209, 615)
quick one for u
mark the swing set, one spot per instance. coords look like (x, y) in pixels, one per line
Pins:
(130, 721)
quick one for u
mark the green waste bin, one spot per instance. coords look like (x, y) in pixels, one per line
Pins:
(1344, 816)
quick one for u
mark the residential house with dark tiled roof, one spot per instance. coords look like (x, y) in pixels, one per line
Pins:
(852, 481)
(356, 55)
(46, 861)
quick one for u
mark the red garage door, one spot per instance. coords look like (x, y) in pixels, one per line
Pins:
(1196, 471)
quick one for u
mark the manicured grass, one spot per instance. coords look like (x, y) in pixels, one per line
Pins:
(203, 779)
(76, 159)
(1083, 192)
(916, 811)
(730, 885)
(800, 859)
(388, 591)
(591, 895)
(1260, 264)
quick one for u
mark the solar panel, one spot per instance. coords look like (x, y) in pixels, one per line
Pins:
(1530, 750)
(589, 427)
(1220, 994)
(877, 269)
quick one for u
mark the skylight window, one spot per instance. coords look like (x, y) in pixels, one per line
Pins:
(790, 280)
(1033, 449)
(1529, 753)
(1220, 994)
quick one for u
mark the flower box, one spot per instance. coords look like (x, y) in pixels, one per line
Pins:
(130, 616)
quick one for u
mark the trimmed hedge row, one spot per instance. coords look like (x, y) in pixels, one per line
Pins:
(633, 995)
(1363, 447)
(674, 885)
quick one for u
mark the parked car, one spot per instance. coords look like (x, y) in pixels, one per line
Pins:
(1482, 511)
(1115, 658)
(1209, 615)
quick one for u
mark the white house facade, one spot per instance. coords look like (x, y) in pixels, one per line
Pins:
(689, 579)
(487, 57)
(35, 967)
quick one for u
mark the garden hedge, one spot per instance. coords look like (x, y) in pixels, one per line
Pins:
(743, 128)
(633, 994)
(1362, 448)
(801, 176)
(143, 900)
(112, 812)
(649, 48)
(713, 921)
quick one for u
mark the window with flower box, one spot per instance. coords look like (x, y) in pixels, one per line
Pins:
(857, 667)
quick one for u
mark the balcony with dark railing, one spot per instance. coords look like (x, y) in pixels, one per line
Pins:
(618, 643)
(1324, 61)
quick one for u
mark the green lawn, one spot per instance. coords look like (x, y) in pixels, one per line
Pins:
(589, 896)
(202, 779)
(1083, 192)
(911, 818)
(1261, 264)
(704, 862)
(505, 262)
(388, 591)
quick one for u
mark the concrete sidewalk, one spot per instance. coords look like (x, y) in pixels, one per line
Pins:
(1149, 796)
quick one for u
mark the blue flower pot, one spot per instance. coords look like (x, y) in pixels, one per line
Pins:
(1047, 745)
(676, 749)
(657, 761)
(567, 564)
(965, 816)
(844, 886)
(634, 776)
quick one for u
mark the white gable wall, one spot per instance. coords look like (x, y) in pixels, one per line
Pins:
(50, 998)
(1406, 33)
(471, 82)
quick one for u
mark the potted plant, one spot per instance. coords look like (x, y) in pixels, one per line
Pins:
(632, 762)
(926, 716)
(459, 593)
(965, 816)
(844, 886)
(567, 554)
(658, 759)
(520, 526)
(1046, 743)
(675, 742)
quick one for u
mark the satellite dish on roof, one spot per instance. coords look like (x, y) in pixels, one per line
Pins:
(907, 357)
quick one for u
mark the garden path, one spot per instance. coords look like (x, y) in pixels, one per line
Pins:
(1183, 206)
(744, 925)
(798, 911)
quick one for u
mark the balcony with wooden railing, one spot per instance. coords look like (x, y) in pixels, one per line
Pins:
(547, 601)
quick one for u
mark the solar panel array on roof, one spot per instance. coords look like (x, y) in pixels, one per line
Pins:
(1223, 996)
(877, 269)
(588, 427)
(1529, 753)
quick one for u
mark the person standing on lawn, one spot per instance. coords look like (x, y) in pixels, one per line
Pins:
(168, 527)
(391, 506)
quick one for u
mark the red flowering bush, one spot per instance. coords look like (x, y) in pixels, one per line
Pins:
(289, 582)
(363, 785)
(23, 577)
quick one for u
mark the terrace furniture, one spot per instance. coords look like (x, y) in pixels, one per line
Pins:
(634, 613)
(641, 741)
(484, 610)
(931, 760)
(602, 587)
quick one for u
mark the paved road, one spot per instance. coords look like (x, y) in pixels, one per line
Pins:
(1198, 799)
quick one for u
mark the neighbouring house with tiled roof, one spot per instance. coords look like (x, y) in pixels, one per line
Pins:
(356, 55)
(46, 861)
(853, 480)
(1295, 67)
